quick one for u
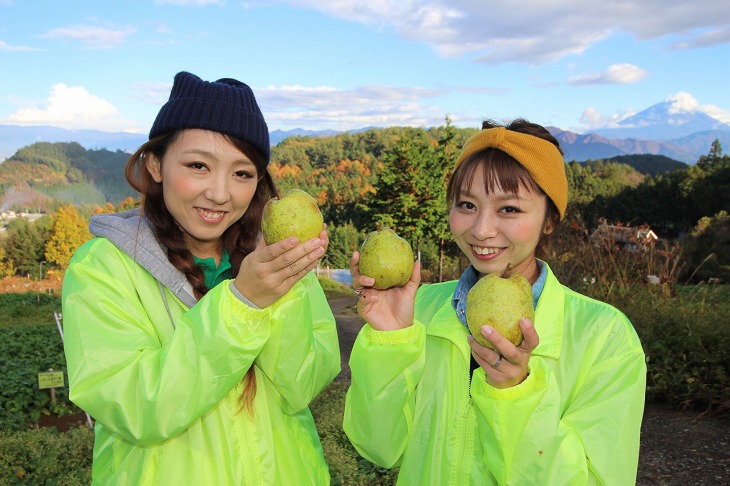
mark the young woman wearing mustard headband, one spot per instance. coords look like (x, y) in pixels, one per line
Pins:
(563, 407)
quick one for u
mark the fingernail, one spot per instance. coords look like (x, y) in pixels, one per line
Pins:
(487, 330)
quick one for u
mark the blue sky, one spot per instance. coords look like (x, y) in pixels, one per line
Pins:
(341, 64)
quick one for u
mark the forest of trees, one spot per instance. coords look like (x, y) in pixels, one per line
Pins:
(395, 177)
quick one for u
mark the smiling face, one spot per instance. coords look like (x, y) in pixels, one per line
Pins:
(207, 185)
(495, 228)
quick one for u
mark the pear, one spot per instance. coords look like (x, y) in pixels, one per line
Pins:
(294, 214)
(499, 300)
(387, 258)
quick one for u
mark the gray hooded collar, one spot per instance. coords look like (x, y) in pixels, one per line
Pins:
(133, 235)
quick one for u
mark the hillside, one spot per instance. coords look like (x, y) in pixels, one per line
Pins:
(44, 174)
(648, 164)
(65, 172)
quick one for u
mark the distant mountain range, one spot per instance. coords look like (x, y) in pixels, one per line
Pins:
(658, 130)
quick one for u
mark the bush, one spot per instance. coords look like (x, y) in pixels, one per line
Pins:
(26, 351)
(707, 249)
(686, 339)
(685, 331)
(45, 456)
(28, 308)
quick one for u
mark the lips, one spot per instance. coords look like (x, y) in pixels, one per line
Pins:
(209, 215)
(479, 250)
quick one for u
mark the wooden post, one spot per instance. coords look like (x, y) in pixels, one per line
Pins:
(52, 391)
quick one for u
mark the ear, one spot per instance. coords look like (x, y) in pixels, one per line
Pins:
(153, 167)
(548, 227)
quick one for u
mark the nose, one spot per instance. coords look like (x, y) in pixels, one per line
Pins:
(484, 227)
(218, 191)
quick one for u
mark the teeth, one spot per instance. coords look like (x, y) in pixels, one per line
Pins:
(211, 214)
(484, 251)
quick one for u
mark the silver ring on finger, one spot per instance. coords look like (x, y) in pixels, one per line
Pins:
(359, 292)
(498, 362)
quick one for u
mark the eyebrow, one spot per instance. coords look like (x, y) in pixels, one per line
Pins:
(500, 197)
(194, 151)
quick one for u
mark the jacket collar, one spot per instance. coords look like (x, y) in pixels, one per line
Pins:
(132, 234)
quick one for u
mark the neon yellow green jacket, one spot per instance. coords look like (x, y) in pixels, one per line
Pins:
(575, 420)
(163, 382)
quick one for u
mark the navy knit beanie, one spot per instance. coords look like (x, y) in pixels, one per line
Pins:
(227, 106)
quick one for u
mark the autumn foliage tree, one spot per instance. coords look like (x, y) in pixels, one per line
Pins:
(68, 231)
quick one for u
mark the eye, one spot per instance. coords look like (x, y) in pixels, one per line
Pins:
(245, 174)
(510, 210)
(466, 205)
(196, 165)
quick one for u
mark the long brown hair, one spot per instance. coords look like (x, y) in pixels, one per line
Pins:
(238, 240)
(503, 171)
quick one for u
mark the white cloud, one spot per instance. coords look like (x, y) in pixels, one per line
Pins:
(328, 107)
(592, 119)
(531, 31)
(683, 102)
(706, 38)
(5, 47)
(71, 107)
(155, 94)
(614, 74)
(93, 36)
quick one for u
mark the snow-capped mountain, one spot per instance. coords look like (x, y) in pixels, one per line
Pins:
(663, 121)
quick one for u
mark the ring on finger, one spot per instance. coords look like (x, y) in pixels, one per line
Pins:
(498, 362)
(359, 292)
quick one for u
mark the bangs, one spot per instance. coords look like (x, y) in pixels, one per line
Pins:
(501, 172)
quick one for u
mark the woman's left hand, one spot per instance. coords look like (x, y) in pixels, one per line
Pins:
(511, 361)
(270, 271)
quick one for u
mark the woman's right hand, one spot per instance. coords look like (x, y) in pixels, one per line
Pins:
(385, 310)
(269, 272)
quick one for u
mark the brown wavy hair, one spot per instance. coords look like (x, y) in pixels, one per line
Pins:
(238, 240)
(503, 171)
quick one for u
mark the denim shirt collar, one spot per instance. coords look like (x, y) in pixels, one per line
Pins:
(471, 276)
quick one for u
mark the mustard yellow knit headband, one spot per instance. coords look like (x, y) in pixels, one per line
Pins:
(541, 158)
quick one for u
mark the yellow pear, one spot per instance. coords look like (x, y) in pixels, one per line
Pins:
(295, 214)
(499, 301)
(387, 258)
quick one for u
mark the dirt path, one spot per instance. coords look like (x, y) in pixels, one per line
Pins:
(677, 447)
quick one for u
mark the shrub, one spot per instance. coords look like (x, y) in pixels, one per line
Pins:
(707, 249)
(28, 308)
(686, 339)
(45, 456)
(24, 352)
(684, 330)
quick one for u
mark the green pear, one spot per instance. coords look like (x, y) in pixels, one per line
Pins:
(387, 258)
(500, 301)
(295, 214)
